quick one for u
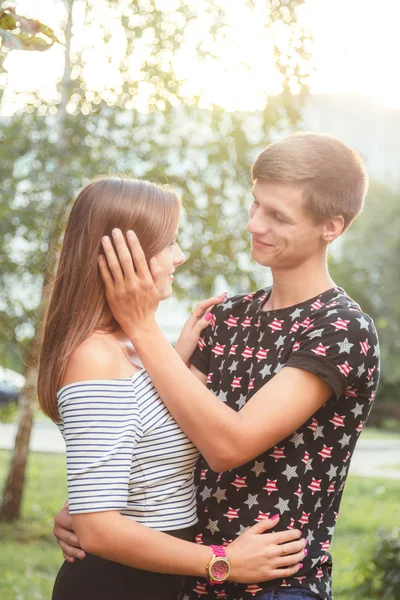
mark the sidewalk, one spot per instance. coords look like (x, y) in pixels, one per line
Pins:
(372, 458)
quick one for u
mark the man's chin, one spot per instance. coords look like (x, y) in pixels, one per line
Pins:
(259, 259)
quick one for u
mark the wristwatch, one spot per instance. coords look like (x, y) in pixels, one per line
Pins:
(218, 568)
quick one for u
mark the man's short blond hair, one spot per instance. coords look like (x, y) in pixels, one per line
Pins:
(331, 175)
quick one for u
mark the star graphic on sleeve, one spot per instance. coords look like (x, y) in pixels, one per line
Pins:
(212, 526)
(376, 350)
(318, 432)
(282, 506)
(296, 313)
(357, 410)
(332, 472)
(220, 495)
(297, 439)
(251, 500)
(233, 366)
(318, 504)
(345, 441)
(266, 370)
(279, 367)
(330, 530)
(313, 588)
(242, 401)
(331, 312)
(363, 323)
(343, 472)
(258, 468)
(290, 472)
(345, 346)
(206, 493)
(315, 333)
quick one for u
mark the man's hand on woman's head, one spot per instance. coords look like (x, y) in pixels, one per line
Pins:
(65, 536)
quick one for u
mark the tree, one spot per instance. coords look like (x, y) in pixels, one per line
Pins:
(366, 266)
(92, 131)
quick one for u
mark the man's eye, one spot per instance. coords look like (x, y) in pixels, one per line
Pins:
(278, 218)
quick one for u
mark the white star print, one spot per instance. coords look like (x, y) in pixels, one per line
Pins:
(279, 367)
(242, 401)
(345, 346)
(212, 526)
(220, 495)
(332, 472)
(280, 341)
(258, 468)
(206, 493)
(296, 313)
(357, 410)
(251, 500)
(343, 471)
(233, 338)
(314, 588)
(363, 323)
(233, 366)
(331, 312)
(223, 396)
(290, 472)
(265, 371)
(345, 441)
(376, 350)
(318, 432)
(297, 439)
(227, 305)
(282, 506)
(315, 333)
(318, 504)
(242, 529)
(361, 370)
(331, 530)
(314, 561)
(310, 536)
(308, 465)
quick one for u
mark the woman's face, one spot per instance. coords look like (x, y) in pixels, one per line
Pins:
(168, 259)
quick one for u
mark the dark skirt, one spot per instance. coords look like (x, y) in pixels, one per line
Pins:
(96, 578)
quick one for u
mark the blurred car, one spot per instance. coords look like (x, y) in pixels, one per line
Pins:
(9, 394)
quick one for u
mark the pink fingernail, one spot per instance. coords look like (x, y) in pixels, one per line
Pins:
(275, 517)
(208, 316)
(306, 551)
(306, 542)
(300, 566)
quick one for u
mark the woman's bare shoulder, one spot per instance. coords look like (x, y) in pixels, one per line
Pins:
(95, 358)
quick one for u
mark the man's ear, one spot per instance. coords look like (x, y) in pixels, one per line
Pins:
(332, 228)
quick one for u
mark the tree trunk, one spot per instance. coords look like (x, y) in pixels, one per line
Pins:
(10, 508)
(12, 496)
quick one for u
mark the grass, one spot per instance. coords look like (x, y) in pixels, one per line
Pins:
(30, 557)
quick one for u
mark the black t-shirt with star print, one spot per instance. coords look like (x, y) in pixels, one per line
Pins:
(303, 476)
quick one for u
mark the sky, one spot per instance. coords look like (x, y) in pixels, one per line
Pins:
(355, 45)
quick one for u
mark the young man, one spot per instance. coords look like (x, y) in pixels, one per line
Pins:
(295, 366)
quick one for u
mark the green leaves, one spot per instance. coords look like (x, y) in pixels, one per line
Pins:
(28, 34)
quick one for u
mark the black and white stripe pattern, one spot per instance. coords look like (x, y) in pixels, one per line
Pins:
(125, 452)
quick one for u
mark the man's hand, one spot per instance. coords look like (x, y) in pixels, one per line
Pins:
(198, 320)
(66, 537)
(131, 290)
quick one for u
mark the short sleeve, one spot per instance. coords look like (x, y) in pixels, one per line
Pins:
(339, 346)
(101, 426)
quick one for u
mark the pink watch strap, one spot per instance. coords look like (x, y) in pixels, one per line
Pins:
(219, 550)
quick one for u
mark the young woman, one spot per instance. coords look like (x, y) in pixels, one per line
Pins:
(129, 466)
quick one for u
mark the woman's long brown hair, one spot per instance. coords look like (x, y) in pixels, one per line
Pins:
(77, 304)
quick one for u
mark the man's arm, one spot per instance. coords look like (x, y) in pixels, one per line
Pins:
(224, 437)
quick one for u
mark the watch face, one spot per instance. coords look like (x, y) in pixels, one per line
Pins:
(220, 569)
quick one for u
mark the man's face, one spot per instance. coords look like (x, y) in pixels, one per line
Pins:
(284, 235)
